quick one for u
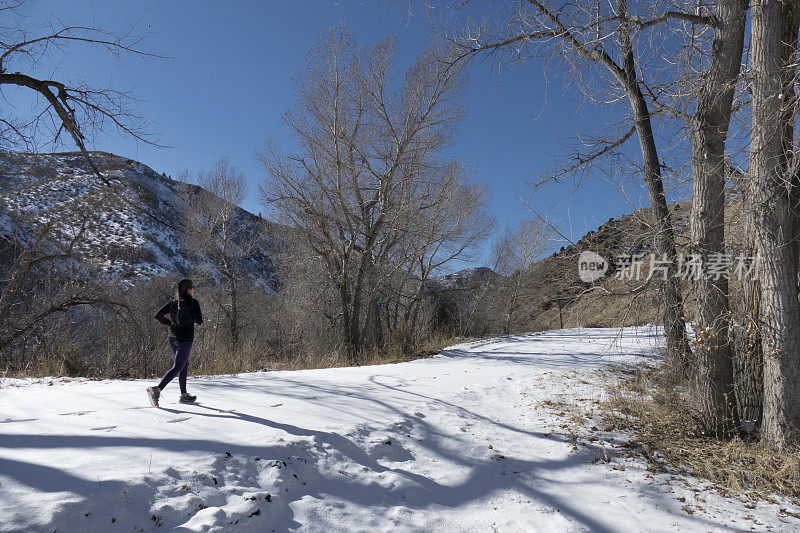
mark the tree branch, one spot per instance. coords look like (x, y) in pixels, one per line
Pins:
(669, 15)
(581, 160)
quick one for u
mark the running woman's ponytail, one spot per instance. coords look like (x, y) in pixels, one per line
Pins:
(181, 291)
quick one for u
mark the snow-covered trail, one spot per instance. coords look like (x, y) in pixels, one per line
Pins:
(457, 442)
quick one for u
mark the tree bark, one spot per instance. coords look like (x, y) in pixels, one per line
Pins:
(709, 130)
(233, 292)
(774, 222)
(748, 360)
(351, 336)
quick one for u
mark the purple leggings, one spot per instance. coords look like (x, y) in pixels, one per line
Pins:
(180, 367)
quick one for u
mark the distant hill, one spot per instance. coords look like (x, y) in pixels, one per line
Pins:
(551, 293)
(462, 280)
(131, 229)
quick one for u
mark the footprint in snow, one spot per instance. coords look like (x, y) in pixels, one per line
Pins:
(174, 420)
(276, 405)
(76, 413)
(103, 428)
(10, 420)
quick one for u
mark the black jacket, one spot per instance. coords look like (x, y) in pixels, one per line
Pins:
(181, 324)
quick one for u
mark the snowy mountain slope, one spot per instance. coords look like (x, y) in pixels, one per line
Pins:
(463, 441)
(130, 229)
(463, 280)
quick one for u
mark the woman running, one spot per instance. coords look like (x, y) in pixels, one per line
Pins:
(184, 313)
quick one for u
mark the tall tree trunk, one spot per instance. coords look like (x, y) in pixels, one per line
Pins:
(349, 336)
(748, 360)
(355, 333)
(233, 292)
(377, 323)
(511, 306)
(709, 130)
(774, 224)
(674, 325)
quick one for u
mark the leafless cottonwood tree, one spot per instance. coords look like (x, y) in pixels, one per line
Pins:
(368, 145)
(706, 84)
(449, 224)
(214, 230)
(514, 251)
(708, 131)
(602, 35)
(773, 200)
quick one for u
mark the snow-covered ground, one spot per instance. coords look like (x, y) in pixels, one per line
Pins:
(477, 438)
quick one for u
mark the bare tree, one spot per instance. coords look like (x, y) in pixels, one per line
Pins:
(773, 200)
(215, 230)
(601, 35)
(709, 129)
(365, 155)
(29, 49)
(41, 279)
(448, 224)
(514, 251)
(614, 38)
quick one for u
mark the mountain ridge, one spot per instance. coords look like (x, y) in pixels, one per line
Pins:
(126, 231)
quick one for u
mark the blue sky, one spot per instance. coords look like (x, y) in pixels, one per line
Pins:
(228, 82)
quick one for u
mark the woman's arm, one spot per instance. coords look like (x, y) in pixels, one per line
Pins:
(161, 315)
(198, 315)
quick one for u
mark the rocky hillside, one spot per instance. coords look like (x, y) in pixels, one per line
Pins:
(127, 230)
(550, 294)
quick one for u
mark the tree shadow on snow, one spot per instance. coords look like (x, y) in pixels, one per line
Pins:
(494, 474)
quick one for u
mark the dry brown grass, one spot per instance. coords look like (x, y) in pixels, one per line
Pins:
(204, 362)
(668, 433)
(218, 362)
